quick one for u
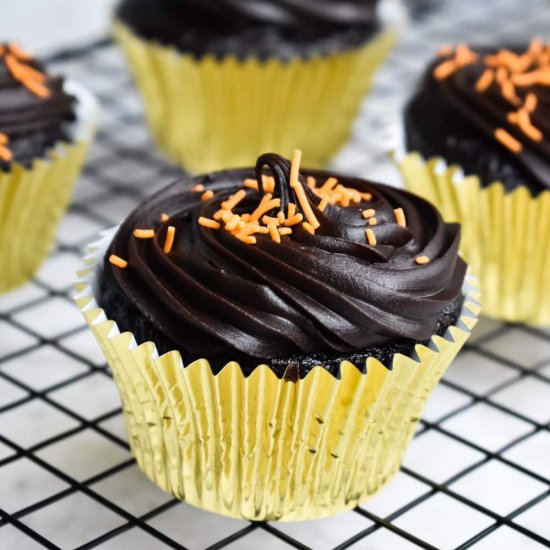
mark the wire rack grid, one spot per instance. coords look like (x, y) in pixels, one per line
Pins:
(477, 473)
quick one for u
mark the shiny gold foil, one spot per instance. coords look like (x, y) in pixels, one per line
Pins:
(505, 236)
(211, 114)
(32, 200)
(262, 448)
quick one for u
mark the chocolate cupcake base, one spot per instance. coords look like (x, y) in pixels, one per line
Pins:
(128, 318)
(262, 447)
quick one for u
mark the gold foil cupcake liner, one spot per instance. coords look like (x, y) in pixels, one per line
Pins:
(505, 236)
(208, 114)
(263, 448)
(32, 200)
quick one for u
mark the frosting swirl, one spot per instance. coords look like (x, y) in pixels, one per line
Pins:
(215, 294)
(258, 28)
(33, 108)
(490, 113)
(296, 13)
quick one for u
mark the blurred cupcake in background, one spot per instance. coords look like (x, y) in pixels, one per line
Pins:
(274, 334)
(485, 112)
(46, 124)
(224, 81)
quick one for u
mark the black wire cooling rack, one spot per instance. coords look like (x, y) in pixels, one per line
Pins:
(477, 473)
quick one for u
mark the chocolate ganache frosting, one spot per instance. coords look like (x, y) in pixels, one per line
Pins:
(320, 265)
(253, 28)
(487, 111)
(34, 108)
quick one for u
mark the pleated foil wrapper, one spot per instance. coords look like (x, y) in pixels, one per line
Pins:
(263, 448)
(33, 200)
(208, 114)
(505, 236)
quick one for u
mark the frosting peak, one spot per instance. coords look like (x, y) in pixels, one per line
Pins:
(223, 272)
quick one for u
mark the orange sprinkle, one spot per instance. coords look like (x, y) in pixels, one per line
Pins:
(531, 102)
(170, 234)
(295, 167)
(539, 76)
(13, 66)
(508, 91)
(119, 262)
(400, 217)
(504, 58)
(233, 223)
(270, 219)
(371, 237)
(508, 141)
(37, 89)
(464, 55)
(144, 233)
(323, 204)
(251, 184)
(524, 122)
(221, 214)
(373, 221)
(19, 52)
(29, 73)
(250, 229)
(306, 207)
(4, 139)
(422, 260)
(5, 154)
(205, 222)
(164, 217)
(445, 69)
(366, 197)
(207, 195)
(309, 228)
(328, 185)
(285, 231)
(234, 200)
(537, 46)
(266, 204)
(485, 80)
(281, 217)
(291, 210)
(274, 234)
(513, 117)
(198, 188)
(445, 50)
(355, 196)
(268, 184)
(311, 182)
(248, 239)
(502, 75)
(294, 220)
(344, 197)
(369, 213)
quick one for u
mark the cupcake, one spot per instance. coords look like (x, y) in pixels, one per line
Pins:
(274, 334)
(484, 113)
(46, 124)
(224, 81)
